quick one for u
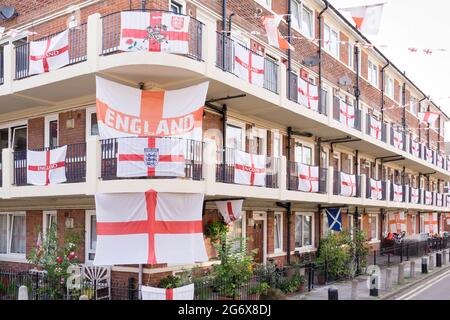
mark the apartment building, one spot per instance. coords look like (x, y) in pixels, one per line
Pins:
(404, 158)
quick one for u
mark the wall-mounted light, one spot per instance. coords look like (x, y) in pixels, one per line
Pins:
(251, 222)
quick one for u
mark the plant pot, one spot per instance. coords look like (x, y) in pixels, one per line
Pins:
(301, 287)
(321, 279)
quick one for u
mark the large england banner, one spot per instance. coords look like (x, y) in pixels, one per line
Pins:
(46, 167)
(154, 31)
(49, 54)
(123, 111)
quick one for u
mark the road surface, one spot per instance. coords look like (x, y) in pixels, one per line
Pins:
(437, 288)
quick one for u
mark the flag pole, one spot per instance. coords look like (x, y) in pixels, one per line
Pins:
(141, 269)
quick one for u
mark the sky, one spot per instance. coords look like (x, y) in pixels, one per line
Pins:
(421, 24)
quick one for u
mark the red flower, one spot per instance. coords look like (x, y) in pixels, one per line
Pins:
(71, 255)
(130, 41)
(59, 260)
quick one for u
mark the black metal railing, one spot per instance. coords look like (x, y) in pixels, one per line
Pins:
(337, 184)
(193, 155)
(226, 164)
(111, 34)
(292, 93)
(225, 61)
(2, 63)
(77, 50)
(293, 177)
(354, 122)
(75, 164)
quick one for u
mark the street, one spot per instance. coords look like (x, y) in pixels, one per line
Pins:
(437, 288)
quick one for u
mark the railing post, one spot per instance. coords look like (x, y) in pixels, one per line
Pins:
(282, 176)
(209, 163)
(9, 61)
(94, 40)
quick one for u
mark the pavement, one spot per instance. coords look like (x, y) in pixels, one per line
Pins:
(363, 292)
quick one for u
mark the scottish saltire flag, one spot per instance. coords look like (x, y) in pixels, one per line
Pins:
(334, 216)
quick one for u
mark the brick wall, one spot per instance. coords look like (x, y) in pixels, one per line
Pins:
(36, 133)
(77, 134)
(33, 228)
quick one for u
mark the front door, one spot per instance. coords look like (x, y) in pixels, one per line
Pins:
(258, 240)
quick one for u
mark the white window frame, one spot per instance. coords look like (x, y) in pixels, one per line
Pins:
(414, 223)
(261, 133)
(10, 125)
(372, 73)
(276, 135)
(377, 231)
(390, 92)
(180, 3)
(327, 46)
(265, 3)
(8, 256)
(412, 105)
(48, 119)
(87, 240)
(280, 249)
(351, 55)
(303, 247)
(45, 220)
(243, 133)
(303, 145)
(298, 21)
(89, 112)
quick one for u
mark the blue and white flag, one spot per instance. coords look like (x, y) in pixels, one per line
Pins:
(334, 216)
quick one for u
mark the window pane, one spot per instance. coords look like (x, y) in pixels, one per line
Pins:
(234, 137)
(307, 158)
(373, 227)
(307, 22)
(3, 233)
(307, 231)
(295, 14)
(276, 146)
(18, 234)
(20, 138)
(53, 133)
(93, 240)
(334, 43)
(94, 125)
(298, 231)
(277, 232)
(298, 152)
(4, 138)
(326, 36)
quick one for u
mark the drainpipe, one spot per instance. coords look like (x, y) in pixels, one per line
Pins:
(288, 157)
(356, 88)
(289, 35)
(143, 4)
(230, 23)
(224, 136)
(224, 29)
(404, 106)
(428, 126)
(288, 207)
(320, 51)
(420, 131)
(439, 134)
(356, 164)
(382, 90)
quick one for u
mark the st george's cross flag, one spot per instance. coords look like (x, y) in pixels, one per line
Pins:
(398, 192)
(308, 178)
(151, 157)
(375, 128)
(248, 65)
(415, 195)
(230, 210)
(428, 198)
(428, 117)
(397, 222)
(181, 293)
(439, 160)
(149, 228)
(308, 95)
(123, 111)
(376, 189)
(250, 169)
(415, 148)
(334, 216)
(46, 167)
(348, 184)
(346, 114)
(398, 139)
(274, 36)
(49, 54)
(155, 31)
(428, 154)
(431, 223)
(367, 18)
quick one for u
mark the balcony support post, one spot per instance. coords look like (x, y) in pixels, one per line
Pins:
(94, 45)
(7, 172)
(93, 164)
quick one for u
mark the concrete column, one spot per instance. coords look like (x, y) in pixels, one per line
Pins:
(330, 182)
(93, 163)
(209, 165)
(363, 187)
(444, 257)
(282, 177)
(94, 40)
(412, 269)
(388, 284)
(7, 172)
(23, 293)
(282, 84)
(9, 61)
(354, 292)
(430, 261)
(209, 39)
(401, 273)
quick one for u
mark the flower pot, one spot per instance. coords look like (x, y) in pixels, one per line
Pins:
(301, 287)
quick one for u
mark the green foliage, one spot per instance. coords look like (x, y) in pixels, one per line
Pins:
(236, 267)
(170, 282)
(361, 248)
(273, 294)
(336, 254)
(261, 288)
(292, 285)
(216, 230)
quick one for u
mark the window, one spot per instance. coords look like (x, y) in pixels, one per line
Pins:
(48, 220)
(350, 224)
(389, 87)
(91, 122)
(12, 233)
(303, 230)
(91, 235)
(266, 3)
(373, 73)
(4, 133)
(414, 224)
(258, 138)
(331, 38)
(351, 54)
(235, 139)
(303, 154)
(412, 105)
(51, 131)
(302, 18)
(176, 7)
(237, 230)
(373, 222)
(278, 232)
(19, 138)
(276, 144)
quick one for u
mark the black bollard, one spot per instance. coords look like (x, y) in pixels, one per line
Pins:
(424, 265)
(438, 259)
(373, 285)
(333, 293)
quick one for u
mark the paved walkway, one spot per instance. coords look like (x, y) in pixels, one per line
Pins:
(344, 287)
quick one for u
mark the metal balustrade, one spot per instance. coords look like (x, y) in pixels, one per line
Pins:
(392, 192)
(226, 164)
(225, 61)
(77, 50)
(383, 131)
(111, 34)
(393, 138)
(292, 93)
(337, 115)
(293, 177)
(337, 184)
(369, 189)
(75, 164)
(193, 156)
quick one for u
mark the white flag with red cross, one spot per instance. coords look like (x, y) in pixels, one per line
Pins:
(439, 160)
(274, 36)
(428, 117)
(439, 199)
(230, 210)
(49, 54)
(181, 293)
(397, 222)
(376, 189)
(248, 65)
(415, 195)
(346, 114)
(250, 169)
(308, 178)
(46, 167)
(151, 157)
(367, 18)
(123, 111)
(398, 139)
(308, 94)
(149, 228)
(415, 148)
(428, 198)
(155, 31)
(431, 223)
(398, 192)
(348, 185)
(375, 128)
(428, 154)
